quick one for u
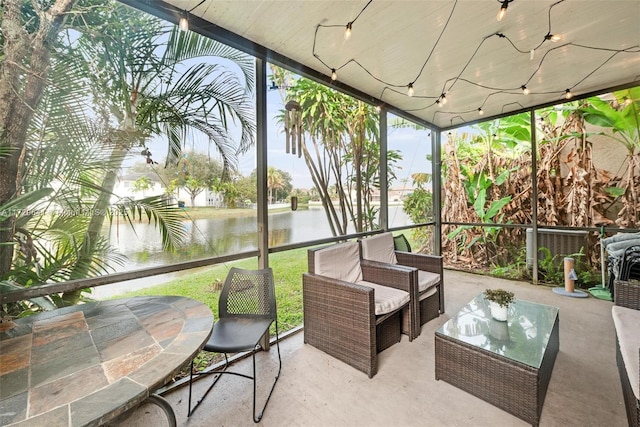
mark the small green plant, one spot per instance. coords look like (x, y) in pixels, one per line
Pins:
(513, 267)
(551, 269)
(499, 296)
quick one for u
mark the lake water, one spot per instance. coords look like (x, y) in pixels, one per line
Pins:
(142, 246)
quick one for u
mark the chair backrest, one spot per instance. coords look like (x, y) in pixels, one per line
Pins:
(401, 243)
(339, 261)
(248, 293)
(379, 248)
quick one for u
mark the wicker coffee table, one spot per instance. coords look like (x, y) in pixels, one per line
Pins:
(507, 364)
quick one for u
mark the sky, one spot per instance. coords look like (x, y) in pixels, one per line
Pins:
(414, 146)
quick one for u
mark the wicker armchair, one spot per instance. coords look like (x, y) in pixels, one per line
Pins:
(626, 317)
(430, 301)
(352, 309)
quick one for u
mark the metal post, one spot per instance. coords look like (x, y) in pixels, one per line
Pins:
(261, 172)
(436, 171)
(534, 197)
(384, 183)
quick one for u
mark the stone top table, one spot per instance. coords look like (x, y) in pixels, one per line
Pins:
(87, 364)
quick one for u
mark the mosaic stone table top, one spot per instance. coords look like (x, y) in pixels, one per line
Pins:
(86, 364)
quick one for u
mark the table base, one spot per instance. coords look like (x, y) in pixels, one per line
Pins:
(512, 386)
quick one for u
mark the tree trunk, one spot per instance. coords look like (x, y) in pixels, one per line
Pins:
(98, 214)
(20, 94)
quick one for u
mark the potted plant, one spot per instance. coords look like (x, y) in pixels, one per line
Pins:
(499, 301)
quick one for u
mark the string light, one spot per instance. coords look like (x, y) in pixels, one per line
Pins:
(183, 24)
(347, 31)
(553, 37)
(441, 100)
(503, 9)
(334, 75)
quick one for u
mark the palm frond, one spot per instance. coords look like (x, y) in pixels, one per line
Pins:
(185, 45)
(166, 217)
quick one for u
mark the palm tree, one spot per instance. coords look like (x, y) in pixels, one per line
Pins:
(28, 34)
(342, 150)
(274, 182)
(120, 78)
(150, 79)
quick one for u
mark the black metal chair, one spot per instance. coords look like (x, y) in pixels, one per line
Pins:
(247, 308)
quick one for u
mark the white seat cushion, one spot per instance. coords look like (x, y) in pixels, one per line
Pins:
(387, 299)
(379, 248)
(340, 261)
(626, 321)
(428, 293)
(426, 280)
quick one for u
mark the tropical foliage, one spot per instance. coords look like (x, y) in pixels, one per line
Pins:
(106, 81)
(419, 206)
(341, 148)
(492, 167)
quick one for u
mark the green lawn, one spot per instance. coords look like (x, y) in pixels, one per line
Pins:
(205, 286)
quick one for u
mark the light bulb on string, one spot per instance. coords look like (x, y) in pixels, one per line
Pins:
(347, 31)
(568, 94)
(503, 9)
(553, 37)
(443, 99)
(525, 90)
(480, 111)
(334, 75)
(439, 103)
(183, 24)
(410, 90)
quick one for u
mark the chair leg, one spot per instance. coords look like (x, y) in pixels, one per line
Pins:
(258, 417)
(218, 373)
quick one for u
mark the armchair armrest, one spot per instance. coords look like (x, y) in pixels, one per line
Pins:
(399, 277)
(627, 293)
(392, 275)
(424, 262)
(339, 319)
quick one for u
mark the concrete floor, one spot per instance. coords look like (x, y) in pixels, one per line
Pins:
(318, 390)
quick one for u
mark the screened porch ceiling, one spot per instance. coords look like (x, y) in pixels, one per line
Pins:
(455, 48)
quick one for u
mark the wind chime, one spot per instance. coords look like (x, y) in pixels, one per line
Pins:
(293, 127)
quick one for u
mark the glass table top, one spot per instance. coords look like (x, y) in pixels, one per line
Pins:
(523, 337)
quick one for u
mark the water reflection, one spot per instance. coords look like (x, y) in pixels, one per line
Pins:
(222, 236)
(213, 237)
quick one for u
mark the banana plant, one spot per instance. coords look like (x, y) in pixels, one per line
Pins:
(622, 117)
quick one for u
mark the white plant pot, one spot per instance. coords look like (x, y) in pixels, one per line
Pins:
(498, 312)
